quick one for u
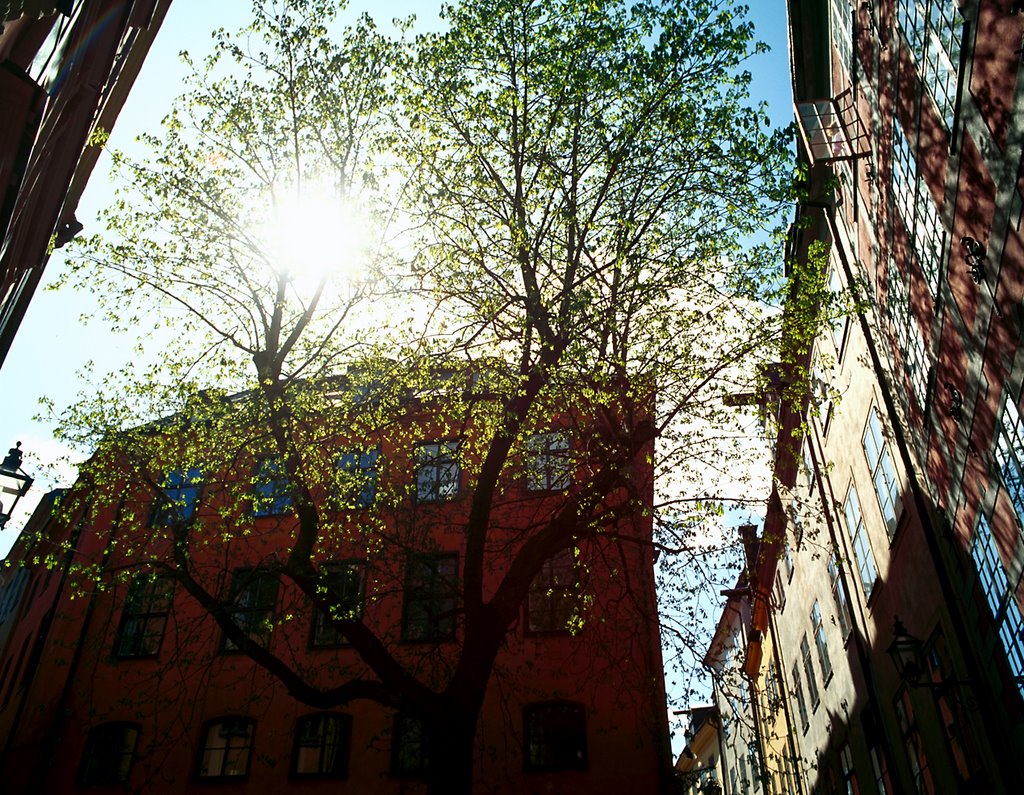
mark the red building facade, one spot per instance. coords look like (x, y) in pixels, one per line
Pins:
(115, 675)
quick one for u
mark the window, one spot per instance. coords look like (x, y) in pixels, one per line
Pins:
(14, 588)
(859, 539)
(915, 205)
(879, 770)
(548, 466)
(787, 556)
(322, 745)
(959, 740)
(808, 465)
(818, 627)
(907, 333)
(437, 471)
(551, 600)
(1000, 597)
(272, 490)
(431, 594)
(408, 746)
(145, 615)
(109, 753)
(883, 474)
(178, 497)
(812, 682)
(771, 690)
(932, 32)
(789, 768)
(798, 693)
(253, 599)
(227, 745)
(837, 310)
(913, 745)
(780, 592)
(357, 479)
(345, 587)
(555, 736)
(839, 596)
(842, 32)
(1009, 455)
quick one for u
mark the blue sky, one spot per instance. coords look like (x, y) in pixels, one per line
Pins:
(54, 344)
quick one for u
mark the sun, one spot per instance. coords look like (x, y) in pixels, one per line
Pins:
(312, 235)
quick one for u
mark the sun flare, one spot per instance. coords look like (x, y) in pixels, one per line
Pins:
(315, 234)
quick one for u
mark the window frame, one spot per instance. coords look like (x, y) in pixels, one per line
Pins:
(548, 598)
(351, 465)
(205, 748)
(342, 745)
(937, 57)
(911, 741)
(913, 203)
(241, 581)
(405, 725)
(1008, 455)
(820, 641)
(441, 624)
(355, 606)
(801, 699)
(1007, 618)
(909, 338)
(557, 757)
(880, 464)
(812, 682)
(144, 593)
(549, 463)
(271, 488)
(180, 493)
(839, 597)
(112, 773)
(442, 463)
(860, 543)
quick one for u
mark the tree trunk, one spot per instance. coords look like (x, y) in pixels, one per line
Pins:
(450, 751)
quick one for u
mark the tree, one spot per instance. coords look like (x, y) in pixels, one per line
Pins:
(556, 200)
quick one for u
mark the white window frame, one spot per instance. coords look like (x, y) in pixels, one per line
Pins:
(1000, 596)
(915, 205)
(883, 472)
(818, 627)
(859, 542)
(933, 31)
(909, 338)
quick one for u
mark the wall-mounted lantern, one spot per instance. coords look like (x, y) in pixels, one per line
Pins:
(13, 482)
(974, 254)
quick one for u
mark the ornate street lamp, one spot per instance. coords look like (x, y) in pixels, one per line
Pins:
(907, 654)
(13, 481)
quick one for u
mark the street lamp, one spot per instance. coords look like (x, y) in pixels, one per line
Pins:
(908, 656)
(13, 480)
